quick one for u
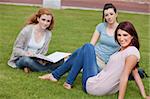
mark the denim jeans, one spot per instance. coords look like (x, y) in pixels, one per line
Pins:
(83, 57)
(34, 65)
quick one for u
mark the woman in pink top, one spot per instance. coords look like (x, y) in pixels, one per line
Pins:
(114, 77)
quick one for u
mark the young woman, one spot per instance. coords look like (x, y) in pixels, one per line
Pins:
(103, 37)
(34, 38)
(113, 77)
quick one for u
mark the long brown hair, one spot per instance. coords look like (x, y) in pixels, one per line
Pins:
(41, 11)
(129, 28)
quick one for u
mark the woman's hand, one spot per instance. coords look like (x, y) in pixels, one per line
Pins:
(29, 53)
(42, 62)
(139, 82)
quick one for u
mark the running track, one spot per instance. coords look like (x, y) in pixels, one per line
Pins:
(142, 7)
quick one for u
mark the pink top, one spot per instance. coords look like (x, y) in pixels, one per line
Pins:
(107, 81)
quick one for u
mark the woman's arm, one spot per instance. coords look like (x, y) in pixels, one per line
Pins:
(130, 63)
(139, 82)
(95, 37)
(18, 47)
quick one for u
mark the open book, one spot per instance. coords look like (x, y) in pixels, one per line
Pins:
(54, 57)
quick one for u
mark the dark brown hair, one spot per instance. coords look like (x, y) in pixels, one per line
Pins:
(106, 7)
(129, 28)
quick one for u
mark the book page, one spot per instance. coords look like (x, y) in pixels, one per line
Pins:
(56, 56)
(40, 56)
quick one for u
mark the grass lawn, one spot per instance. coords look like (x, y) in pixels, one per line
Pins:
(73, 28)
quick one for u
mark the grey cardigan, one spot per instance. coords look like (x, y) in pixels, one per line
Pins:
(20, 45)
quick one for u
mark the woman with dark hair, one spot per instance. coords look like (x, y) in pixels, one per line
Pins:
(113, 77)
(103, 37)
(34, 38)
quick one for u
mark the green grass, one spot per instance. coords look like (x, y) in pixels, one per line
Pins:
(73, 28)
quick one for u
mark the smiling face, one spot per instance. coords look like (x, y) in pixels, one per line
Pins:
(44, 21)
(110, 16)
(124, 38)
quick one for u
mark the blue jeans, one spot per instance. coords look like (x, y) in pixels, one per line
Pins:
(83, 57)
(34, 65)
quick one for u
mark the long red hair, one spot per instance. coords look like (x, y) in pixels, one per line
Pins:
(41, 11)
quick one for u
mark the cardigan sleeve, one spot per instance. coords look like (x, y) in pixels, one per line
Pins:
(19, 45)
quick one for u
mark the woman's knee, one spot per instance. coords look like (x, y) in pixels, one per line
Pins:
(24, 60)
(88, 46)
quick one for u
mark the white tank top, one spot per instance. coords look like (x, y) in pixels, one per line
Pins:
(33, 45)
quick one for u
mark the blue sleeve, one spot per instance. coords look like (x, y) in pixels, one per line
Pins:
(100, 27)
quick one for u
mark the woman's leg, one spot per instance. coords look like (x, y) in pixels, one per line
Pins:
(66, 66)
(32, 64)
(53, 66)
(76, 67)
(86, 58)
(90, 67)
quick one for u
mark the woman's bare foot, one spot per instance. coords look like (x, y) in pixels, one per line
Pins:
(67, 86)
(27, 70)
(48, 77)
